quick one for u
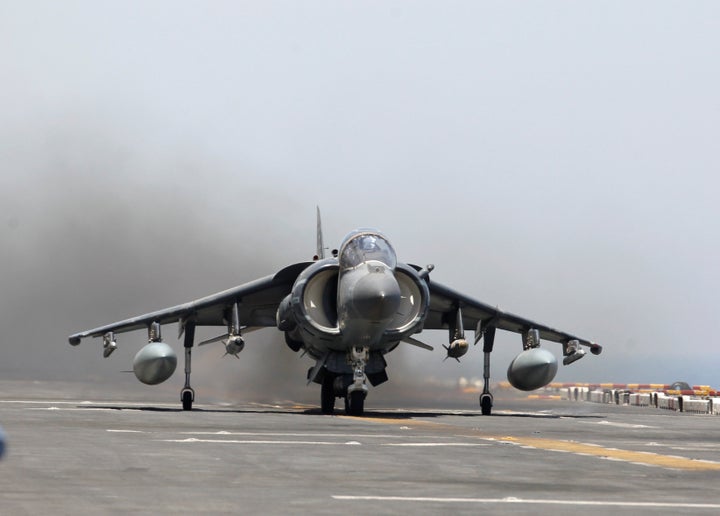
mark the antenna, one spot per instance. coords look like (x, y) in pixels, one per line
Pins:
(320, 251)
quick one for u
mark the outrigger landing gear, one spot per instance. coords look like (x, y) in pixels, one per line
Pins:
(486, 399)
(187, 395)
(357, 390)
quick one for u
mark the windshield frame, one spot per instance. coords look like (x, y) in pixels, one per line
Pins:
(362, 246)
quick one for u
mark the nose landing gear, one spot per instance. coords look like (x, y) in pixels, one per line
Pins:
(357, 391)
(355, 403)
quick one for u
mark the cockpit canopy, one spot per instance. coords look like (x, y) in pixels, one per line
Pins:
(365, 245)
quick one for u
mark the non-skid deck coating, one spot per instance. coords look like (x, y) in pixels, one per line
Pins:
(107, 455)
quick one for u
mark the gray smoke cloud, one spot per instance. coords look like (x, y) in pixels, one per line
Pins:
(89, 240)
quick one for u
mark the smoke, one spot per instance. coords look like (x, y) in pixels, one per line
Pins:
(97, 227)
(100, 226)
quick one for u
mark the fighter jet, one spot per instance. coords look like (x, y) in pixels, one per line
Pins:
(346, 312)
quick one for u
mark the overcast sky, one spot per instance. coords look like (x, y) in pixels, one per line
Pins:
(558, 159)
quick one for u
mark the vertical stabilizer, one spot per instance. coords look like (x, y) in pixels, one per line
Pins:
(320, 251)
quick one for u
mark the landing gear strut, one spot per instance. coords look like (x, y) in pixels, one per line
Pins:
(357, 390)
(486, 399)
(187, 395)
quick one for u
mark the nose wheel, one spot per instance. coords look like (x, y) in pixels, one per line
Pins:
(355, 403)
(357, 390)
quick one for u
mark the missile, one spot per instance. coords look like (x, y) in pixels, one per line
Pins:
(234, 345)
(109, 344)
(532, 369)
(573, 352)
(108, 348)
(154, 363)
(574, 356)
(456, 349)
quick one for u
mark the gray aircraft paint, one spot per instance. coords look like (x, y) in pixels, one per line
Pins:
(346, 312)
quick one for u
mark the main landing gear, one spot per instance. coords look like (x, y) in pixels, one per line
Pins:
(327, 394)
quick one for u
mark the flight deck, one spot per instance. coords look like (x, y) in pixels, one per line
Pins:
(70, 453)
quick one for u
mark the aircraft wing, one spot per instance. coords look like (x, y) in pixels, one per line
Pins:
(258, 301)
(444, 302)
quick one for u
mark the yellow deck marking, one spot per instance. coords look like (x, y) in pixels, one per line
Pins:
(541, 443)
(652, 459)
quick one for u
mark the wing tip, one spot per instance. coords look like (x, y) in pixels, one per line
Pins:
(74, 340)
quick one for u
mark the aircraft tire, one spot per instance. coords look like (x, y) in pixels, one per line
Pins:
(187, 400)
(327, 394)
(485, 405)
(355, 403)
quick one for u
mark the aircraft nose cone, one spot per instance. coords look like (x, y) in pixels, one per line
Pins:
(376, 296)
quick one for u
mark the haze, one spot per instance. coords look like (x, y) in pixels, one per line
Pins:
(557, 159)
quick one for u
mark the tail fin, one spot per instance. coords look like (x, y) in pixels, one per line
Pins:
(320, 251)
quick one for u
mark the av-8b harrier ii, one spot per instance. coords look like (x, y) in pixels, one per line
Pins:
(346, 311)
